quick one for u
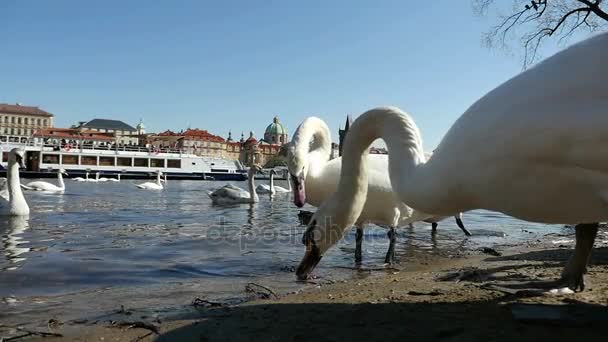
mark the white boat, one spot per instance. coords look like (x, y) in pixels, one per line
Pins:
(128, 161)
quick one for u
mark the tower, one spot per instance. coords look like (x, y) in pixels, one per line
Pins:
(342, 134)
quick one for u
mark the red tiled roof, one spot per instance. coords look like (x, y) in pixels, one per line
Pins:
(168, 133)
(19, 109)
(71, 133)
(203, 134)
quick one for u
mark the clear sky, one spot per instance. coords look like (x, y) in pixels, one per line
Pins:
(233, 65)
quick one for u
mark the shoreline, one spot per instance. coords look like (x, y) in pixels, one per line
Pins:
(438, 299)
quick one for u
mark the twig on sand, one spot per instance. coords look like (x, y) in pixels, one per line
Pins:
(134, 324)
(206, 303)
(251, 288)
(139, 338)
(28, 333)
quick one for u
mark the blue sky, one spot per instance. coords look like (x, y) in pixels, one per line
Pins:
(233, 65)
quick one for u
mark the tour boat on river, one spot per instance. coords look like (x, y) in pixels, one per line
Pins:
(43, 157)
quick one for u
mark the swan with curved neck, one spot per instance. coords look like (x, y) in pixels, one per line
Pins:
(534, 148)
(230, 194)
(152, 185)
(316, 178)
(46, 186)
(12, 201)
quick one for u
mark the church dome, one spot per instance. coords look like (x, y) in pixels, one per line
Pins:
(276, 127)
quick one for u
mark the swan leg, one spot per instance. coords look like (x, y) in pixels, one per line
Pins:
(434, 227)
(390, 254)
(359, 241)
(573, 274)
(461, 226)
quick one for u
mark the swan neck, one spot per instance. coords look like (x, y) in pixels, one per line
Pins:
(250, 181)
(60, 180)
(18, 205)
(312, 140)
(271, 181)
(406, 155)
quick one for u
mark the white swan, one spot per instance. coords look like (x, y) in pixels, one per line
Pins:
(117, 179)
(46, 186)
(534, 148)
(12, 202)
(230, 194)
(150, 185)
(80, 179)
(93, 180)
(271, 188)
(315, 178)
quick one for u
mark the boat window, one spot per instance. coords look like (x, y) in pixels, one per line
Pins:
(157, 163)
(174, 163)
(69, 160)
(3, 138)
(106, 161)
(124, 161)
(88, 160)
(219, 170)
(141, 162)
(50, 158)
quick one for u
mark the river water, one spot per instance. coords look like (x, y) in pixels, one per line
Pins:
(102, 245)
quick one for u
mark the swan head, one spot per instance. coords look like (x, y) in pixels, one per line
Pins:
(17, 156)
(324, 230)
(63, 172)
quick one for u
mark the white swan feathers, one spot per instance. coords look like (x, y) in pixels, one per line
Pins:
(12, 201)
(46, 186)
(230, 194)
(152, 185)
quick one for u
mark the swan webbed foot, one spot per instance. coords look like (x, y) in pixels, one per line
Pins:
(359, 241)
(573, 275)
(575, 269)
(462, 227)
(390, 254)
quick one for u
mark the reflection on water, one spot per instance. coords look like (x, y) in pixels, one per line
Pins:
(11, 229)
(100, 235)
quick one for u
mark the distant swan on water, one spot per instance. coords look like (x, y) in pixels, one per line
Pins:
(46, 186)
(271, 188)
(152, 185)
(12, 201)
(230, 194)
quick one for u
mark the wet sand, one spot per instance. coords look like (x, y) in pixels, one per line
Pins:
(440, 299)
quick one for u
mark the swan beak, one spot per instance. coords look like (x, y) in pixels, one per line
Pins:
(299, 193)
(20, 162)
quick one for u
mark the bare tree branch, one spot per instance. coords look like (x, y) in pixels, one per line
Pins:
(542, 19)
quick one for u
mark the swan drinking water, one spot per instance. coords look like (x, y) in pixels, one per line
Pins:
(534, 148)
(46, 186)
(230, 194)
(152, 185)
(316, 178)
(12, 202)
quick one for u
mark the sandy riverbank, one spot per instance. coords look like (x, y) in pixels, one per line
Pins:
(397, 305)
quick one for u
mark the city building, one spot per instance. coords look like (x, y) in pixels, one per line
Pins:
(123, 133)
(195, 141)
(18, 121)
(276, 133)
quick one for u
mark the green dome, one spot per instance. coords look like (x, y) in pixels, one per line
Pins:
(275, 127)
